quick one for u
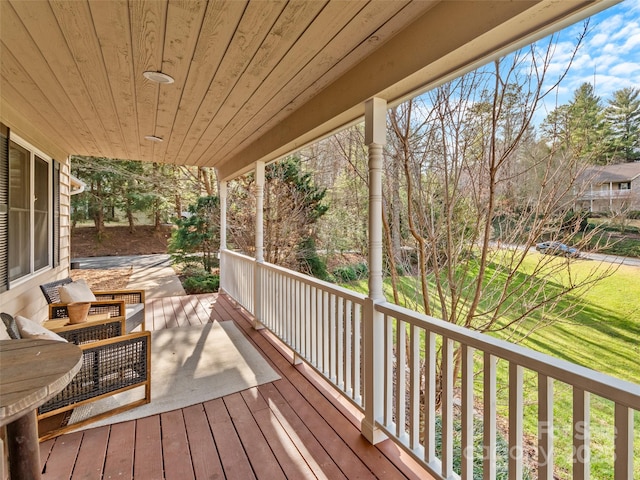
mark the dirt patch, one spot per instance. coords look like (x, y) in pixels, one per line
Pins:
(145, 240)
(112, 279)
(117, 240)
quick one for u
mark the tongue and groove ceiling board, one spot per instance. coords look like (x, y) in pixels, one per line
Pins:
(254, 79)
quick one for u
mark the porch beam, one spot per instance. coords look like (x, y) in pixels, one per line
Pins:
(460, 36)
(375, 138)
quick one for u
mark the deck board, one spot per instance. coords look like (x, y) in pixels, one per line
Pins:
(189, 311)
(263, 461)
(93, 451)
(232, 455)
(62, 457)
(206, 463)
(169, 312)
(290, 428)
(45, 451)
(120, 451)
(148, 462)
(320, 462)
(154, 315)
(284, 448)
(175, 446)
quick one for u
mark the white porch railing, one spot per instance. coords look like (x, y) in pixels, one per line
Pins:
(319, 321)
(237, 278)
(422, 355)
(604, 194)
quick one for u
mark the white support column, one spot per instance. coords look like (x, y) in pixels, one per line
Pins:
(257, 275)
(375, 138)
(260, 212)
(222, 193)
(610, 196)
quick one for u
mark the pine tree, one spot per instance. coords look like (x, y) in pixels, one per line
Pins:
(623, 116)
(292, 206)
(586, 126)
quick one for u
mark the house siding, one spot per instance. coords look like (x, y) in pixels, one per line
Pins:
(635, 194)
(24, 297)
(601, 192)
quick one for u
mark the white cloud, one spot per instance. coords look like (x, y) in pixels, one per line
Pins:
(599, 39)
(583, 61)
(632, 42)
(625, 69)
(609, 57)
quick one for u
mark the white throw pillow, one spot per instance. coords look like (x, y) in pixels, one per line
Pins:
(30, 329)
(77, 291)
(4, 335)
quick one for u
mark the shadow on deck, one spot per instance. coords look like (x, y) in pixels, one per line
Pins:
(296, 427)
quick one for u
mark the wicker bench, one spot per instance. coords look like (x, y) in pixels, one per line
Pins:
(127, 303)
(112, 362)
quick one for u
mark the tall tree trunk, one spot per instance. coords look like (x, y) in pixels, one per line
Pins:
(393, 266)
(98, 209)
(396, 208)
(206, 180)
(157, 215)
(131, 220)
(178, 202)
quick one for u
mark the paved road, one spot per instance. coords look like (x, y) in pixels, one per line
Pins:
(135, 261)
(598, 257)
(634, 262)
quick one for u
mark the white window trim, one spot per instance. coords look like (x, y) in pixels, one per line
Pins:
(34, 151)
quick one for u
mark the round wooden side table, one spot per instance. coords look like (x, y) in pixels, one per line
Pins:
(31, 372)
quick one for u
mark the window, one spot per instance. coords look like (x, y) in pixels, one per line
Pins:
(625, 186)
(30, 232)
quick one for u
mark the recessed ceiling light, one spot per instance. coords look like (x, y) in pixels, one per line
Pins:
(158, 77)
(153, 138)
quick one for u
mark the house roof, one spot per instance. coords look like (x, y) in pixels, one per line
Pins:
(623, 172)
(254, 80)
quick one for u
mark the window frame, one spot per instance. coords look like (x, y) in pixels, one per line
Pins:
(33, 152)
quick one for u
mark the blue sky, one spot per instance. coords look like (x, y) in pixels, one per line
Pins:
(609, 58)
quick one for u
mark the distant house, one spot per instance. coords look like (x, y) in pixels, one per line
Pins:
(612, 188)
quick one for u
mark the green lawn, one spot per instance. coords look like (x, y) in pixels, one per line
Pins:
(603, 333)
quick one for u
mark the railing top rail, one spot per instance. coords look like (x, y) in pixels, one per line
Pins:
(237, 254)
(325, 286)
(606, 194)
(624, 392)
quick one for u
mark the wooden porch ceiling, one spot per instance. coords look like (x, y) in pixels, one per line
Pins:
(254, 80)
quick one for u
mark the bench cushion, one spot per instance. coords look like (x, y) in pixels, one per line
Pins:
(77, 291)
(135, 315)
(30, 329)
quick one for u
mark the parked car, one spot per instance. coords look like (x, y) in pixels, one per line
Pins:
(557, 248)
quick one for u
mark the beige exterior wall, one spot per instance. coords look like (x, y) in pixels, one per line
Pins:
(24, 297)
(607, 197)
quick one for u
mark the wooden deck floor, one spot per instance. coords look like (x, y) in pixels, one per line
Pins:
(295, 427)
